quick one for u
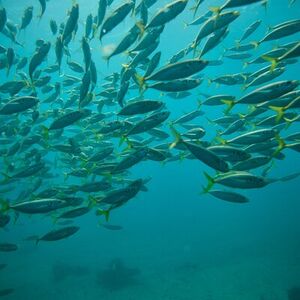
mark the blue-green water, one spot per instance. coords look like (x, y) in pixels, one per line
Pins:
(180, 244)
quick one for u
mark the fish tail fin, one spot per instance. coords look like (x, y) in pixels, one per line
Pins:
(141, 81)
(177, 136)
(221, 140)
(195, 9)
(218, 136)
(266, 170)
(241, 116)
(141, 27)
(265, 4)
(103, 212)
(92, 201)
(126, 66)
(209, 81)
(129, 144)
(31, 83)
(230, 104)
(181, 156)
(107, 58)
(281, 145)
(272, 60)
(290, 121)
(279, 110)
(245, 64)
(255, 44)
(83, 162)
(66, 176)
(45, 133)
(215, 9)
(4, 206)
(210, 121)
(210, 183)
(123, 139)
(244, 87)
(127, 53)
(185, 24)
(27, 83)
(245, 77)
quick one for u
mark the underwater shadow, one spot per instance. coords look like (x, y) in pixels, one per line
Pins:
(117, 276)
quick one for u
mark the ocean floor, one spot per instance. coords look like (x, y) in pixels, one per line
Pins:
(256, 276)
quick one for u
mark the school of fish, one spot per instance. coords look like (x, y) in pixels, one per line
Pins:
(62, 121)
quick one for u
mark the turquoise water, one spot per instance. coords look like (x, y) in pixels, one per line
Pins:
(176, 243)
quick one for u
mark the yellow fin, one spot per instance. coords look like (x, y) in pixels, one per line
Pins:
(230, 104)
(273, 61)
(215, 9)
(255, 44)
(281, 145)
(141, 27)
(279, 111)
(176, 135)
(220, 140)
(4, 206)
(141, 81)
(210, 183)
(100, 212)
(45, 133)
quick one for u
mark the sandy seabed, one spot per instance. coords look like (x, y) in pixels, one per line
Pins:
(259, 277)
